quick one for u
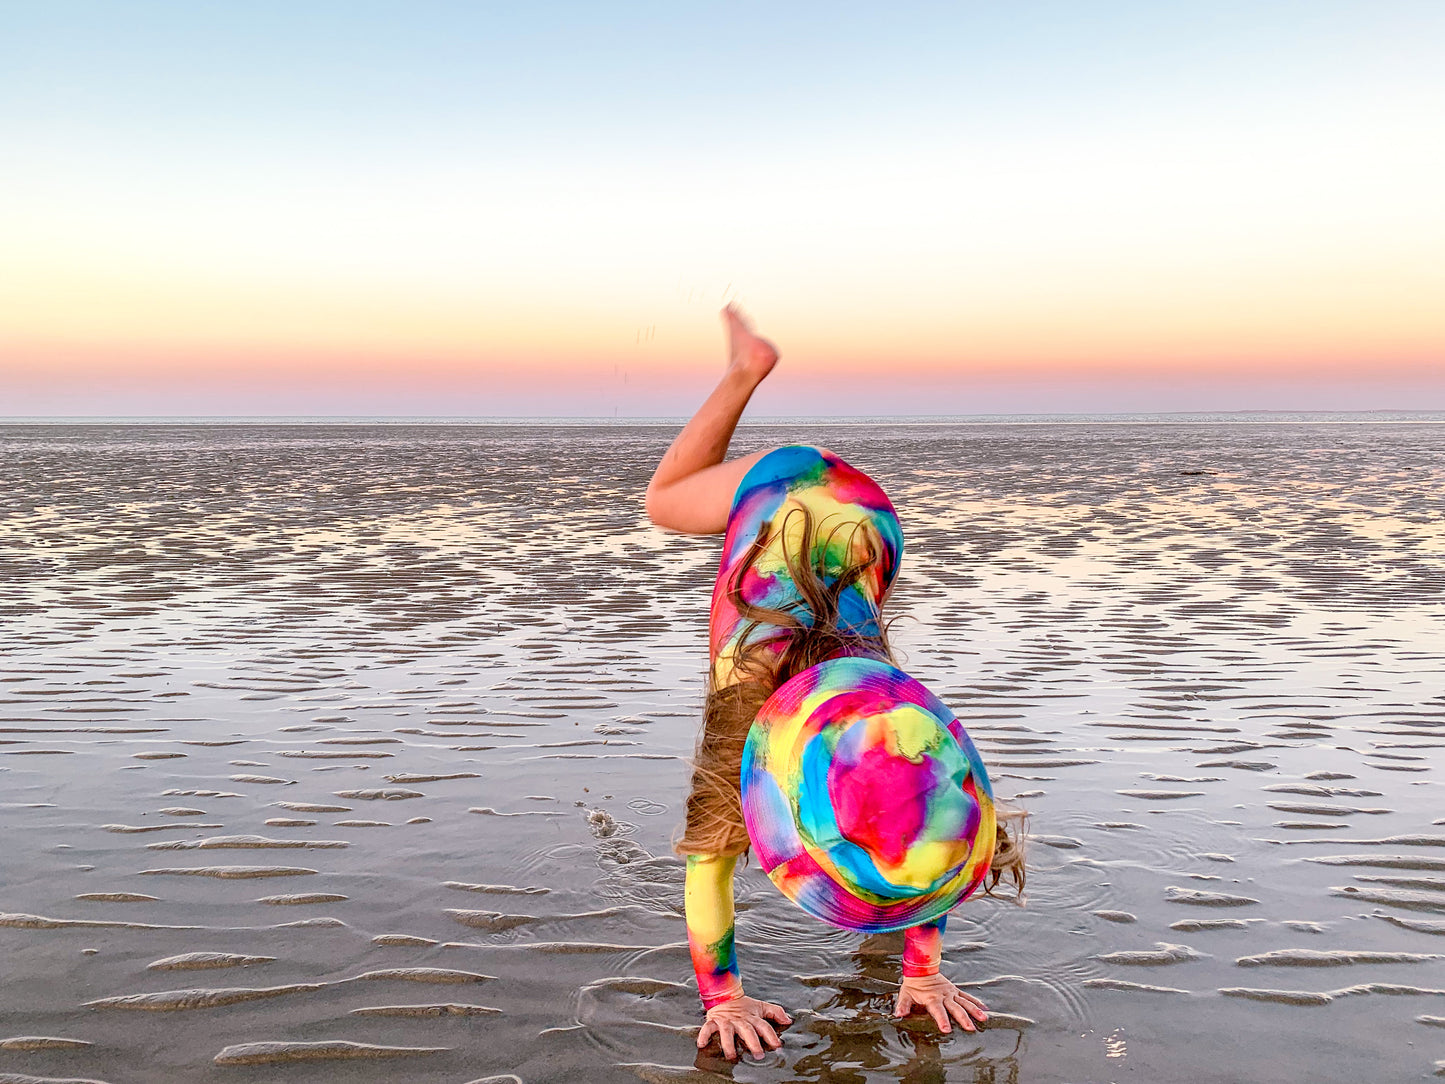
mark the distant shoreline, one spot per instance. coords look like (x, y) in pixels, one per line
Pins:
(1256, 417)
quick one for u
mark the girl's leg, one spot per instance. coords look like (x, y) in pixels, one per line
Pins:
(692, 489)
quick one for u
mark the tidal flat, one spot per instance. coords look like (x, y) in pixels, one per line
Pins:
(355, 752)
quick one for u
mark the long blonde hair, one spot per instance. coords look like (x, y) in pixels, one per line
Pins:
(807, 632)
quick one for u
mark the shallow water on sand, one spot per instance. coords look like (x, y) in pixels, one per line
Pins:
(388, 724)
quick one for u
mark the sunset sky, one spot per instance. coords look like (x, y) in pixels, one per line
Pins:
(478, 209)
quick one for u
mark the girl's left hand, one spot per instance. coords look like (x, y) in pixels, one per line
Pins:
(941, 999)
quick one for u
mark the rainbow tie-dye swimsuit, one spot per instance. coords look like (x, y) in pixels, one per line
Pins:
(850, 517)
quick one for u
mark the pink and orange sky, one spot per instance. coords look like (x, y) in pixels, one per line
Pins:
(450, 210)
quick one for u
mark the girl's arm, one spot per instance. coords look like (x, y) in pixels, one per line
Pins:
(708, 898)
(923, 948)
(731, 1014)
(924, 988)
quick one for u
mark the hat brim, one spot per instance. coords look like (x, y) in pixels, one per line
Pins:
(945, 832)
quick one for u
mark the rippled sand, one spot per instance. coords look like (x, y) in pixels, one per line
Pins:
(355, 753)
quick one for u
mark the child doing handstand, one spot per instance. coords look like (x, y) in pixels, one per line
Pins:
(858, 791)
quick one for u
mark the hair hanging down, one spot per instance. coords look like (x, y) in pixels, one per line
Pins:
(1009, 852)
(763, 663)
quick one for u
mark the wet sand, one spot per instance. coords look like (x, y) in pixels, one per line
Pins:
(355, 753)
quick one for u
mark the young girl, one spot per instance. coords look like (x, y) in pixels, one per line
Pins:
(862, 795)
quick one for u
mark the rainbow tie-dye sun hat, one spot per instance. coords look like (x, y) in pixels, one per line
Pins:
(866, 801)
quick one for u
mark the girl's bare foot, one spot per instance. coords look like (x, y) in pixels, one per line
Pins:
(748, 354)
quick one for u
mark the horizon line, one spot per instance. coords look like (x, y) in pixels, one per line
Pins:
(1403, 415)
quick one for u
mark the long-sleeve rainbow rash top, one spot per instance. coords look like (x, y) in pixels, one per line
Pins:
(851, 516)
(708, 898)
(711, 932)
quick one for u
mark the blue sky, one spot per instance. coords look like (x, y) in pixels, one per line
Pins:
(523, 188)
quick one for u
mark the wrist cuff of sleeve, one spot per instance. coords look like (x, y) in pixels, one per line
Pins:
(918, 971)
(731, 993)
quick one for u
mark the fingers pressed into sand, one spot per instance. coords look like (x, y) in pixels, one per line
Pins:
(976, 1008)
(959, 1011)
(776, 1013)
(904, 1005)
(734, 1031)
(749, 1034)
(940, 999)
(726, 1041)
(940, 1016)
(768, 1036)
(708, 1030)
(744, 1019)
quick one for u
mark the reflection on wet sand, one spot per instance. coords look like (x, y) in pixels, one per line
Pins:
(452, 676)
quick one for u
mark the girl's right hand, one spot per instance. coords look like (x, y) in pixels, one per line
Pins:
(744, 1018)
(940, 999)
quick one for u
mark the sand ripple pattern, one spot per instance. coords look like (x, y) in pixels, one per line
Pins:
(363, 670)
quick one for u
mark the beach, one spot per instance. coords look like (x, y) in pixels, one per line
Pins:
(356, 752)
